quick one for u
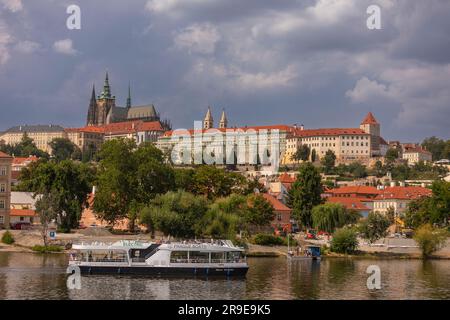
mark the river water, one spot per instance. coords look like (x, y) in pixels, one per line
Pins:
(34, 276)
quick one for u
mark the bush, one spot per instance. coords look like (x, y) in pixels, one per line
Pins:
(430, 239)
(45, 249)
(7, 238)
(374, 227)
(344, 241)
(267, 240)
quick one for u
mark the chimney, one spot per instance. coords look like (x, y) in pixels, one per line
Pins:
(422, 184)
(302, 127)
(94, 188)
(392, 184)
(402, 183)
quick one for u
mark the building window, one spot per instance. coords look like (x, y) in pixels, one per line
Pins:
(2, 187)
(2, 204)
(279, 217)
(3, 171)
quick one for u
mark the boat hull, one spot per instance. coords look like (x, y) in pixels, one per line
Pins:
(166, 271)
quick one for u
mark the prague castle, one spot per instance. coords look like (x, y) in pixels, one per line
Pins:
(103, 109)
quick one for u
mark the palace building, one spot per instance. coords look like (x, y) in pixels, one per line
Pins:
(348, 144)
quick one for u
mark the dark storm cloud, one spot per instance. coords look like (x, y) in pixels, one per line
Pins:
(311, 62)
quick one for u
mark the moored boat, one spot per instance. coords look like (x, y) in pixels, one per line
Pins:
(187, 258)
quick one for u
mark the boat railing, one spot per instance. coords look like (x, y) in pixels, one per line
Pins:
(219, 261)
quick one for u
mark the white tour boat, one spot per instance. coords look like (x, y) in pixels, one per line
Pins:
(187, 258)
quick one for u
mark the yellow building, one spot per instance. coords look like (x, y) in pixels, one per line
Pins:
(417, 154)
(88, 139)
(5, 189)
(347, 144)
(42, 135)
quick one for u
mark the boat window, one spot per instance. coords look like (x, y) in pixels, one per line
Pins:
(179, 256)
(233, 256)
(198, 257)
(107, 256)
(218, 257)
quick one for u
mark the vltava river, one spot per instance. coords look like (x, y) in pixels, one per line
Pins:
(33, 276)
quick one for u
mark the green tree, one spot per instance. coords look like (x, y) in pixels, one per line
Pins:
(430, 239)
(47, 209)
(436, 146)
(330, 216)
(25, 148)
(357, 170)
(128, 179)
(313, 155)
(175, 214)
(328, 162)
(67, 181)
(302, 153)
(391, 155)
(305, 193)
(432, 210)
(224, 218)
(374, 227)
(260, 212)
(64, 149)
(344, 241)
(215, 183)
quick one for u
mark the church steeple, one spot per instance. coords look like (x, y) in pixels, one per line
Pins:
(106, 87)
(129, 97)
(223, 120)
(92, 108)
(208, 122)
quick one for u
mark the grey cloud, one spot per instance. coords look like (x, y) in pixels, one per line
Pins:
(310, 62)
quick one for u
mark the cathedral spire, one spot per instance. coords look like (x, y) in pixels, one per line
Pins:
(129, 97)
(92, 109)
(106, 87)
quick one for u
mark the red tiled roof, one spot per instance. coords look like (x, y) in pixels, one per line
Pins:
(22, 213)
(132, 126)
(417, 150)
(369, 119)
(22, 160)
(88, 129)
(350, 203)
(329, 132)
(355, 190)
(277, 204)
(405, 193)
(4, 155)
(256, 128)
(286, 178)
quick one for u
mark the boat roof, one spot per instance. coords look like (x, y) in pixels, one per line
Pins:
(193, 245)
(118, 245)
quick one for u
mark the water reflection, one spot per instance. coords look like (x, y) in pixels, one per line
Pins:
(33, 276)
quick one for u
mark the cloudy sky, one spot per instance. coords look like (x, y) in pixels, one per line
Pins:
(311, 62)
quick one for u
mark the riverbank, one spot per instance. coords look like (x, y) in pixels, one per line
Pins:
(387, 248)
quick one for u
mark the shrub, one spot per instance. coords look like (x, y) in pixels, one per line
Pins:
(344, 241)
(45, 249)
(374, 227)
(430, 239)
(7, 238)
(267, 240)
